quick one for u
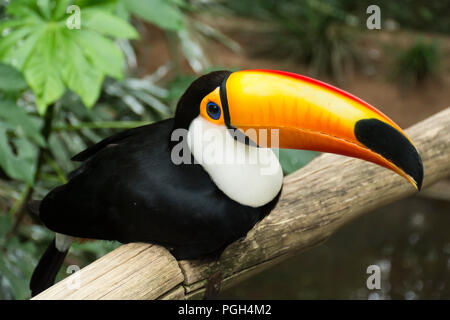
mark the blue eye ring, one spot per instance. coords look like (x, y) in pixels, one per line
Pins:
(213, 110)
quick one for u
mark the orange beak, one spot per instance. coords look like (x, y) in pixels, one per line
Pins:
(312, 115)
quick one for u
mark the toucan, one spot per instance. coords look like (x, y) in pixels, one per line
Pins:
(199, 181)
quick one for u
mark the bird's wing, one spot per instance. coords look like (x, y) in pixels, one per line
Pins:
(116, 138)
(109, 178)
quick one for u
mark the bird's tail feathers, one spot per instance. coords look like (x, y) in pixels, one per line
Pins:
(51, 261)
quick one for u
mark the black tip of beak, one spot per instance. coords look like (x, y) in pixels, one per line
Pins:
(387, 141)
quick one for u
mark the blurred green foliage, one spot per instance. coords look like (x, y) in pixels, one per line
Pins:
(417, 63)
(16, 265)
(323, 33)
(317, 33)
(167, 15)
(419, 15)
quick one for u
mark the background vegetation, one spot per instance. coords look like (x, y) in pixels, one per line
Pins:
(62, 89)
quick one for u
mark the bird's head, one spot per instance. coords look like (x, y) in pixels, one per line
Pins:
(308, 114)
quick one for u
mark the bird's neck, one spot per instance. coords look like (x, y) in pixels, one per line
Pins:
(249, 175)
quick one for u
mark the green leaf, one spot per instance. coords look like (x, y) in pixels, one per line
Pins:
(160, 12)
(53, 58)
(44, 8)
(79, 75)
(108, 5)
(11, 79)
(122, 11)
(42, 74)
(24, 9)
(103, 53)
(12, 38)
(60, 8)
(17, 56)
(107, 23)
(10, 24)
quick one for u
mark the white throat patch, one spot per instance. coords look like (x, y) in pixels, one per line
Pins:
(249, 175)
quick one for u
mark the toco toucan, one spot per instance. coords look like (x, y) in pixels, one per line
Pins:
(199, 181)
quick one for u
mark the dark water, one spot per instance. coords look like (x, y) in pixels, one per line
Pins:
(409, 240)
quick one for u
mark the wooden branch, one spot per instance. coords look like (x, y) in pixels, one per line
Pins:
(315, 202)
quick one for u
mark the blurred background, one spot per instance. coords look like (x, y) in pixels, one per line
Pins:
(64, 89)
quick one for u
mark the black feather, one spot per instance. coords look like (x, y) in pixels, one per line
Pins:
(45, 273)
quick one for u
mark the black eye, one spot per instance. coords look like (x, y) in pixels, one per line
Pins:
(213, 110)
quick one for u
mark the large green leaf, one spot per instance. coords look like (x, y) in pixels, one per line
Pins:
(18, 55)
(42, 71)
(45, 8)
(61, 8)
(4, 25)
(54, 58)
(103, 53)
(108, 5)
(107, 23)
(12, 38)
(24, 9)
(80, 76)
(163, 13)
